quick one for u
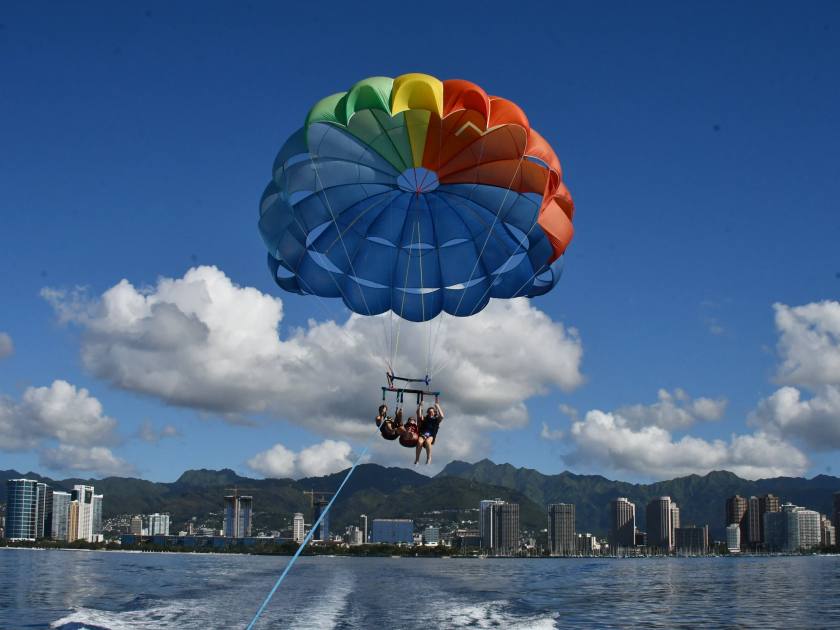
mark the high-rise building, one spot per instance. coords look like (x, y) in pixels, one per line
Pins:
(158, 524)
(394, 531)
(561, 529)
(363, 525)
(733, 538)
(319, 506)
(298, 528)
(21, 509)
(828, 533)
(690, 539)
(73, 520)
(757, 507)
(43, 519)
(486, 523)
(836, 519)
(659, 525)
(84, 495)
(622, 524)
(431, 536)
(237, 522)
(736, 512)
(675, 523)
(506, 519)
(96, 517)
(809, 529)
(792, 529)
(136, 526)
(586, 544)
(60, 515)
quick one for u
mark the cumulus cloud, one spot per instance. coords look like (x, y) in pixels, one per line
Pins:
(548, 433)
(612, 441)
(74, 458)
(60, 411)
(317, 460)
(809, 344)
(148, 432)
(673, 410)
(6, 345)
(809, 352)
(201, 341)
(62, 414)
(815, 420)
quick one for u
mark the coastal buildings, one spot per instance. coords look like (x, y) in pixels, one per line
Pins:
(499, 526)
(736, 512)
(21, 509)
(136, 525)
(363, 525)
(757, 507)
(828, 533)
(622, 524)
(660, 525)
(836, 518)
(237, 519)
(431, 536)
(60, 515)
(733, 538)
(691, 540)
(159, 525)
(561, 529)
(394, 531)
(298, 528)
(587, 545)
(792, 529)
(43, 512)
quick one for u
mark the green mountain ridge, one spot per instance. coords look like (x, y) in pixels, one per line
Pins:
(451, 495)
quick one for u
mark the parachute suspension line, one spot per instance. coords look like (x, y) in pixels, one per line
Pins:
(423, 295)
(402, 306)
(309, 535)
(490, 231)
(515, 252)
(341, 239)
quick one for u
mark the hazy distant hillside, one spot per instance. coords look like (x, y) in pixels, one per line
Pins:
(393, 492)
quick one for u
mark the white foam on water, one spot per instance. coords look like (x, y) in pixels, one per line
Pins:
(180, 615)
(492, 614)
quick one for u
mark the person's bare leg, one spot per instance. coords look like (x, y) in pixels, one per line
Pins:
(428, 445)
(417, 450)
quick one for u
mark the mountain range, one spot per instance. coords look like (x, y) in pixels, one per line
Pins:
(451, 495)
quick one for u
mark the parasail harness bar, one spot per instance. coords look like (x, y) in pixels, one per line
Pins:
(402, 391)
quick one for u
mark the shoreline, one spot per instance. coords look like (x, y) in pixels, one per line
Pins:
(426, 556)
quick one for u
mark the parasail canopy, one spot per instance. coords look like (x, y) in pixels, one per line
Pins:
(416, 196)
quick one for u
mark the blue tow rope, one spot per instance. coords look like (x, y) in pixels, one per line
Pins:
(306, 540)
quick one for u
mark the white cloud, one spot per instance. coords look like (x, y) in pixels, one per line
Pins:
(548, 433)
(809, 343)
(317, 460)
(6, 345)
(809, 349)
(98, 459)
(64, 415)
(673, 410)
(151, 434)
(203, 342)
(60, 411)
(610, 440)
(815, 421)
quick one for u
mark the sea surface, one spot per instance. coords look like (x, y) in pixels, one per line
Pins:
(72, 590)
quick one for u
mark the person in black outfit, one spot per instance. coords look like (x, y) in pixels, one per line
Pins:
(390, 428)
(429, 426)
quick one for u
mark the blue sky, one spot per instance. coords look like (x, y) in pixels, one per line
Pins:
(699, 142)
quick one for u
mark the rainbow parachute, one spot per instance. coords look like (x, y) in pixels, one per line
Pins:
(418, 196)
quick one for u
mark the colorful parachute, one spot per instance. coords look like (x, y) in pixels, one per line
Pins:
(418, 196)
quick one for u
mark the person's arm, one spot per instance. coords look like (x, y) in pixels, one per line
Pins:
(398, 416)
(419, 415)
(439, 410)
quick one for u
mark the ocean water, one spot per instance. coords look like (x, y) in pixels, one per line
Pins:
(72, 590)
